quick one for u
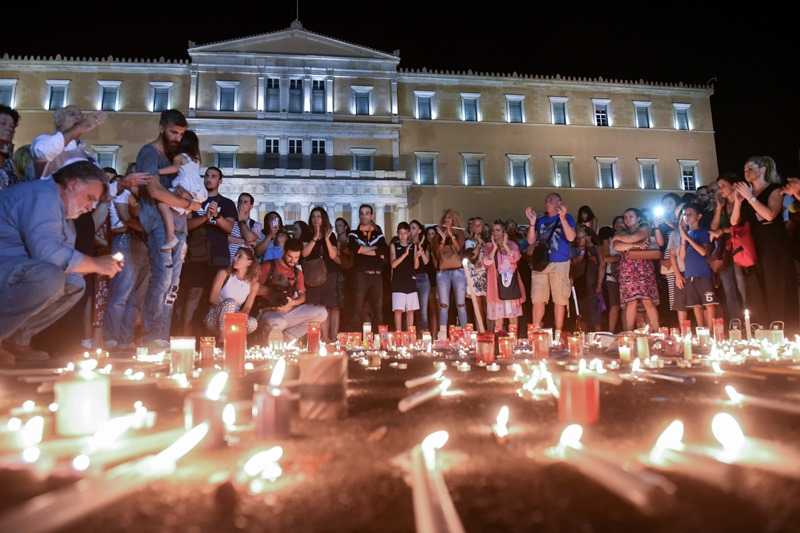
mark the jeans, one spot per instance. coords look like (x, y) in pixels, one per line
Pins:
(163, 285)
(368, 287)
(727, 278)
(423, 292)
(458, 280)
(33, 295)
(293, 324)
(126, 290)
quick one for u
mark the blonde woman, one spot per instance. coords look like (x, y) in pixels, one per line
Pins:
(234, 290)
(449, 239)
(474, 253)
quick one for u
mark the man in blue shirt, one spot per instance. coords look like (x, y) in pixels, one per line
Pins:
(554, 279)
(699, 283)
(41, 273)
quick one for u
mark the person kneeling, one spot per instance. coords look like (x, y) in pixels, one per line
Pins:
(234, 290)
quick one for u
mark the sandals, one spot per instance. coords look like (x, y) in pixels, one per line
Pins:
(170, 245)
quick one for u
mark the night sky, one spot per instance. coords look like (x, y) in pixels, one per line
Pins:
(750, 56)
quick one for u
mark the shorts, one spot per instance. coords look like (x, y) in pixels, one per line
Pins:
(402, 301)
(679, 300)
(700, 291)
(553, 280)
(612, 287)
(197, 275)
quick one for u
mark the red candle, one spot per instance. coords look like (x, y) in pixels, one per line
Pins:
(512, 330)
(383, 331)
(686, 327)
(540, 343)
(575, 343)
(342, 338)
(391, 340)
(469, 328)
(506, 347)
(579, 399)
(235, 343)
(484, 349)
(313, 337)
(413, 331)
(272, 411)
(207, 346)
(719, 329)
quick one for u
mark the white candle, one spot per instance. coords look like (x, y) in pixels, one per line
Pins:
(208, 407)
(624, 353)
(687, 347)
(83, 399)
(747, 325)
(775, 405)
(181, 355)
(642, 346)
(410, 402)
(703, 336)
(433, 508)
(649, 493)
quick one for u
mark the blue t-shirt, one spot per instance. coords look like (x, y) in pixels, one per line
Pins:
(559, 245)
(696, 264)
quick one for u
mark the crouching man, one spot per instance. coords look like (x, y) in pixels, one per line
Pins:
(284, 315)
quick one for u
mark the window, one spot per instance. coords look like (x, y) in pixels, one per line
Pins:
(273, 95)
(470, 106)
(295, 95)
(224, 156)
(600, 112)
(642, 114)
(514, 108)
(558, 107)
(518, 166)
(424, 104)
(295, 159)
(606, 170)
(426, 167)
(227, 96)
(56, 94)
(681, 116)
(271, 153)
(318, 154)
(318, 96)
(109, 95)
(160, 96)
(563, 170)
(647, 172)
(688, 174)
(7, 90)
(362, 100)
(363, 159)
(106, 155)
(473, 169)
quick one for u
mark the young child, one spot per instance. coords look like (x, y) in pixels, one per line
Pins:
(404, 261)
(188, 183)
(699, 283)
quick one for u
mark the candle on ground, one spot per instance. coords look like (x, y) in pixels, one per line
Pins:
(84, 399)
(578, 399)
(207, 407)
(207, 347)
(181, 355)
(747, 325)
(505, 347)
(433, 507)
(410, 402)
(484, 349)
(235, 343)
(272, 406)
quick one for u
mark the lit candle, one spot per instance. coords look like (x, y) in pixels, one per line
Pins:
(719, 329)
(366, 332)
(686, 327)
(494, 367)
(578, 398)
(703, 336)
(207, 407)
(181, 355)
(207, 347)
(624, 353)
(463, 367)
(500, 427)
(383, 331)
(540, 344)
(747, 325)
(651, 494)
(272, 406)
(775, 405)
(426, 340)
(313, 338)
(505, 347)
(484, 348)
(410, 402)
(433, 507)
(643, 346)
(575, 345)
(235, 343)
(416, 382)
(687, 347)
(84, 399)
(512, 330)
(597, 371)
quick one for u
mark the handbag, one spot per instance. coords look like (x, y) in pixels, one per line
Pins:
(540, 257)
(448, 257)
(741, 245)
(507, 284)
(719, 258)
(651, 252)
(315, 272)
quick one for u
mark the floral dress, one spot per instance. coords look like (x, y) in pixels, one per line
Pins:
(637, 280)
(477, 271)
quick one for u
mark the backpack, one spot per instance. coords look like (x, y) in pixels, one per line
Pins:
(198, 246)
(742, 246)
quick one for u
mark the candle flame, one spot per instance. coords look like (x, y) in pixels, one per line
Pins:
(81, 462)
(431, 443)
(278, 372)
(229, 415)
(635, 365)
(217, 384)
(500, 427)
(32, 431)
(31, 454)
(28, 405)
(571, 436)
(715, 366)
(261, 460)
(87, 365)
(733, 395)
(110, 431)
(727, 431)
(672, 436)
(165, 461)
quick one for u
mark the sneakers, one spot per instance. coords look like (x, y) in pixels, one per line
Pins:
(25, 354)
(170, 245)
(87, 343)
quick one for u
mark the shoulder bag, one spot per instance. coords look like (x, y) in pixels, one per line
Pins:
(448, 257)
(742, 246)
(507, 284)
(540, 256)
(315, 272)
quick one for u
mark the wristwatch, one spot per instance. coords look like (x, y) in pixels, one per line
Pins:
(752, 199)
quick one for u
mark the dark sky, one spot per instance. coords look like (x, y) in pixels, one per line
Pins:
(749, 54)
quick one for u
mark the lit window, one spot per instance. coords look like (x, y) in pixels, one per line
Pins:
(473, 169)
(647, 173)
(227, 95)
(606, 170)
(514, 108)
(558, 107)
(56, 94)
(563, 171)
(160, 96)
(424, 104)
(642, 114)
(7, 91)
(426, 167)
(109, 95)
(681, 116)
(519, 165)
(601, 111)
(688, 174)
(362, 100)
(470, 107)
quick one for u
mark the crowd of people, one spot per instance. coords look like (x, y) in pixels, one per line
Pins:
(160, 251)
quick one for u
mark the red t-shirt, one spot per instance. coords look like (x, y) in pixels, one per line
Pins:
(282, 270)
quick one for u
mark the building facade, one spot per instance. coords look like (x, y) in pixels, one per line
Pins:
(300, 119)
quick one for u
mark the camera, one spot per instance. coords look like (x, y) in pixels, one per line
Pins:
(658, 211)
